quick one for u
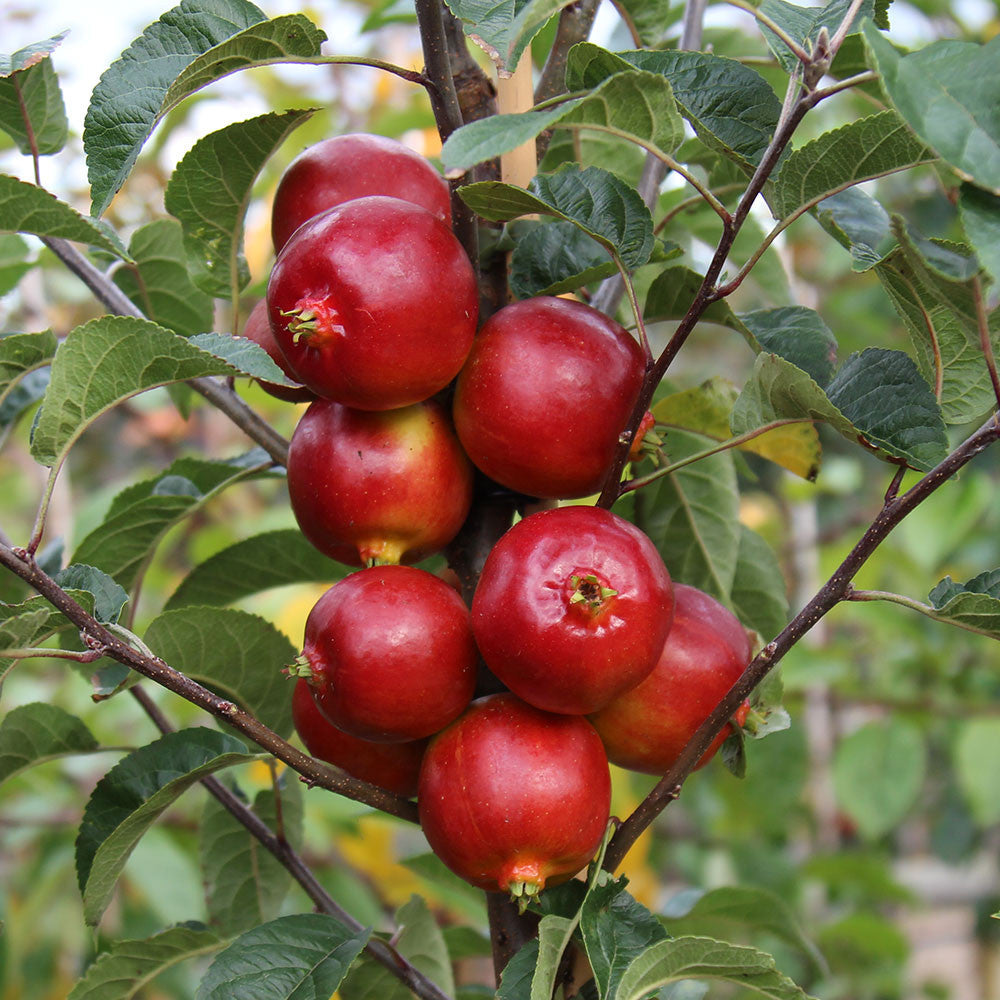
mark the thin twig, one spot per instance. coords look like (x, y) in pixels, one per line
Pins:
(836, 589)
(908, 602)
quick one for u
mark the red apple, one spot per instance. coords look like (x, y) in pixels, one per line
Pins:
(386, 487)
(646, 728)
(390, 654)
(544, 395)
(572, 608)
(392, 766)
(346, 167)
(374, 304)
(512, 798)
(258, 329)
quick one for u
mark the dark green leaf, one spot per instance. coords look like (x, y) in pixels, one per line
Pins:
(878, 771)
(300, 957)
(731, 107)
(210, 190)
(653, 19)
(884, 396)
(987, 583)
(556, 257)
(733, 910)
(35, 733)
(141, 515)
(503, 30)
(232, 652)
(158, 282)
(597, 201)
(21, 397)
(949, 94)
(515, 982)
(273, 559)
(114, 357)
(30, 55)
(245, 884)
(419, 940)
(21, 353)
(25, 208)
(859, 223)
(634, 104)
(109, 597)
(692, 516)
(32, 109)
(704, 958)
(132, 795)
(859, 151)
(974, 605)
(980, 212)
(977, 766)
(122, 972)
(670, 296)
(758, 595)
(129, 99)
(616, 929)
(798, 335)
(803, 23)
(14, 262)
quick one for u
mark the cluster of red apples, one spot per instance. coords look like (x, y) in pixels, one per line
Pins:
(372, 307)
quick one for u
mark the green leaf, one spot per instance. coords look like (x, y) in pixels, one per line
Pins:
(556, 257)
(671, 294)
(35, 733)
(30, 55)
(515, 981)
(734, 910)
(129, 99)
(731, 107)
(980, 212)
(114, 357)
(692, 516)
(14, 262)
(859, 151)
(797, 334)
(758, 595)
(653, 19)
(304, 956)
(616, 929)
(975, 604)
(634, 105)
(899, 420)
(133, 794)
(949, 94)
(272, 559)
(977, 765)
(598, 202)
(245, 884)
(420, 941)
(159, 284)
(232, 652)
(126, 969)
(704, 958)
(26, 208)
(21, 353)
(706, 410)
(878, 771)
(803, 23)
(210, 190)
(32, 109)
(883, 394)
(288, 38)
(859, 223)
(142, 514)
(503, 30)
(109, 597)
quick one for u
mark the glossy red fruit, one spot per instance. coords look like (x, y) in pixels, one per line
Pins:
(547, 389)
(646, 728)
(390, 487)
(258, 329)
(374, 304)
(392, 766)
(346, 167)
(512, 798)
(572, 608)
(390, 654)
